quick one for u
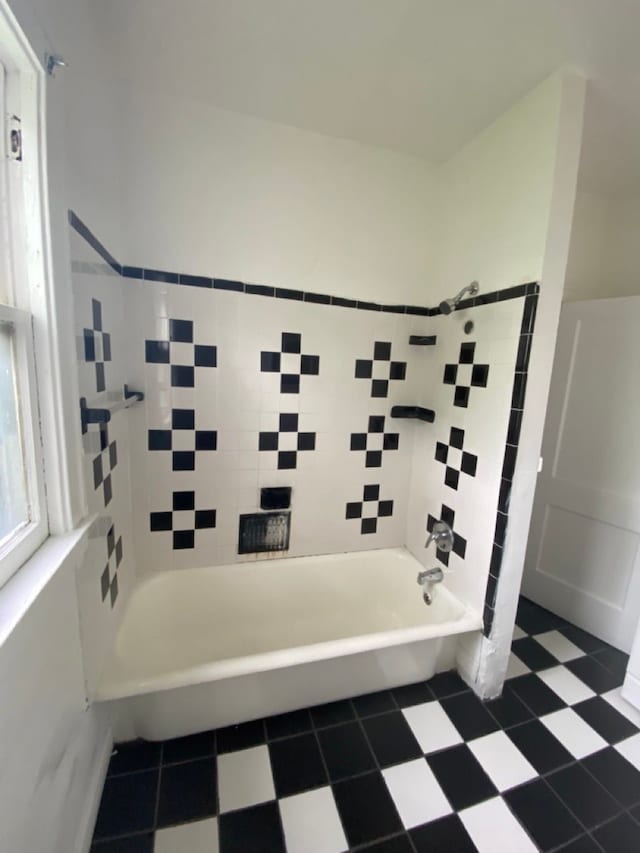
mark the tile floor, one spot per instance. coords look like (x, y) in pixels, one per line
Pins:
(552, 765)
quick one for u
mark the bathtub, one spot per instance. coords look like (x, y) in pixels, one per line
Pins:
(208, 647)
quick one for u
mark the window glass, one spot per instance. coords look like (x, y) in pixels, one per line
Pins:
(14, 505)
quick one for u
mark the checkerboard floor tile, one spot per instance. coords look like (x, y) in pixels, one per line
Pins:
(552, 765)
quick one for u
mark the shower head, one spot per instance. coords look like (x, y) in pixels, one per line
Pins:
(448, 305)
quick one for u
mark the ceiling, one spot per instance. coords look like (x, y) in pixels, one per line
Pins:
(418, 76)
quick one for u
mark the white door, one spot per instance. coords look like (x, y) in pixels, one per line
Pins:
(583, 558)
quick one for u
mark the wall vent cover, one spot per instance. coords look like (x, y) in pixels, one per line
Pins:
(264, 531)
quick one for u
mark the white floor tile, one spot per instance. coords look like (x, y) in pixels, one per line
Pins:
(493, 829)
(615, 698)
(558, 645)
(198, 837)
(416, 793)
(244, 778)
(630, 748)
(503, 762)
(518, 633)
(432, 727)
(516, 667)
(311, 823)
(573, 733)
(567, 685)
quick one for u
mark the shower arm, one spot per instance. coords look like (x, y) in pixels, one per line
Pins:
(471, 289)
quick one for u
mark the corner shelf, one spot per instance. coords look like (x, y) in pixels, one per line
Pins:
(423, 340)
(415, 412)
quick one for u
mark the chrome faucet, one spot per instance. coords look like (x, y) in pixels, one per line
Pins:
(427, 578)
(442, 535)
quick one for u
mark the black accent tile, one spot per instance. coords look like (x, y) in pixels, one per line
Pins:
(509, 464)
(188, 748)
(119, 551)
(130, 844)
(255, 828)
(584, 844)
(542, 814)
(289, 383)
(512, 292)
(113, 455)
(184, 460)
(467, 353)
(225, 284)
(287, 460)
(391, 738)
(504, 496)
(242, 736)
(358, 441)
(382, 351)
(184, 501)
(101, 384)
(524, 350)
(442, 452)
(459, 545)
(515, 425)
(160, 521)
(346, 751)
(480, 375)
(288, 293)
(533, 654)
(604, 718)
(206, 439)
(541, 749)
(447, 684)
(621, 835)
(413, 694)
(205, 519)
(617, 775)
(535, 694)
(98, 475)
(344, 303)
(508, 710)
(450, 374)
(270, 362)
(418, 311)
(593, 674)
(500, 529)
(160, 275)
(529, 315)
(364, 369)
(310, 365)
(535, 619)
(374, 703)
(288, 422)
(385, 509)
(106, 346)
(113, 590)
(398, 370)
(587, 642)
(461, 777)
(181, 330)
(132, 272)
(332, 713)
(105, 582)
(371, 493)
(259, 290)
(373, 459)
(159, 439)
(613, 660)
(291, 342)
(183, 540)
(318, 298)
(353, 510)
(379, 387)
(585, 797)
(394, 309)
(486, 298)
(296, 764)
(286, 725)
(366, 809)
(376, 423)
(196, 280)
(156, 352)
(496, 561)
(397, 844)
(451, 478)
(268, 441)
(96, 315)
(183, 419)
(519, 390)
(456, 438)
(490, 593)
(368, 306)
(391, 441)
(182, 376)
(461, 397)
(205, 355)
(445, 835)
(128, 804)
(469, 716)
(369, 525)
(468, 464)
(307, 441)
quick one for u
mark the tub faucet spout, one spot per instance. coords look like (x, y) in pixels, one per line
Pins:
(435, 575)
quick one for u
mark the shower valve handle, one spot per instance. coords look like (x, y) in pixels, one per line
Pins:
(442, 535)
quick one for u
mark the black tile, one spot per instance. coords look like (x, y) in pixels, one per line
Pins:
(346, 751)
(461, 777)
(296, 764)
(382, 350)
(373, 459)
(287, 459)
(461, 397)
(132, 272)
(519, 390)
(255, 828)
(391, 738)
(621, 835)
(604, 718)
(353, 509)
(529, 315)
(187, 748)
(287, 293)
(358, 441)
(100, 380)
(535, 694)
(587, 642)
(182, 376)
(291, 342)
(385, 509)
(450, 374)
(159, 439)
(307, 441)
(515, 425)
(394, 309)
(468, 464)
(332, 713)
(446, 835)
(113, 455)
(160, 521)
(196, 280)
(613, 660)
(106, 346)
(364, 369)
(206, 439)
(128, 804)
(512, 292)
(366, 809)
(344, 303)
(160, 275)
(183, 419)
(616, 774)
(500, 529)
(583, 844)
(467, 353)
(183, 540)
(371, 493)
(397, 844)
(509, 462)
(504, 496)
(374, 703)
(205, 519)
(413, 694)
(130, 844)
(259, 290)
(451, 478)
(369, 525)
(533, 654)
(181, 330)
(391, 441)
(183, 501)
(447, 684)
(134, 755)
(379, 387)
(442, 452)
(270, 362)
(224, 284)
(490, 593)
(542, 814)
(242, 736)
(268, 441)
(156, 352)
(289, 383)
(480, 375)
(541, 749)
(496, 560)
(318, 298)
(469, 715)
(96, 312)
(368, 306)
(285, 725)
(183, 460)
(508, 710)
(535, 619)
(205, 355)
(398, 370)
(524, 350)
(376, 423)
(593, 674)
(585, 797)
(98, 474)
(310, 365)
(187, 792)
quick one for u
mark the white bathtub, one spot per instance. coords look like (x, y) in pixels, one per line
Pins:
(203, 648)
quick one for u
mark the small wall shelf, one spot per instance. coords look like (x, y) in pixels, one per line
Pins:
(423, 340)
(415, 412)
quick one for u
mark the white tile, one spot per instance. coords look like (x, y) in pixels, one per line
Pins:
(493, 829)
(558, 645)
(573, 733)
(516, 667)
(198, 837)
(311, 823)
(518, 633)
(567, 685)
(416, 793)
(615, 698)
(431, 726)
(244, 778)
(630, 749)
(505, 765)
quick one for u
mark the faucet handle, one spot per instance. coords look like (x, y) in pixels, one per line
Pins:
(442, 535)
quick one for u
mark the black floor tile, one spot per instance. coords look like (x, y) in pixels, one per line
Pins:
(587, 642)
(128, 804)
(535, 619)
(461, 777)
(508, 710)
(366, 809)
(243, 736)
(285, 725)
(613, 660)
(187, 792)
(397, 844)
(413, 694)
(594, 674)
(447, 684)
(621, 835)
(134, 755)
(469, 716)
(188, 748)
(346, 751)
(446, 835)
(332, 713)
(584, 844)
(541, 749)
(545, 818)
(255, 828)
(616, 774)
(296, 764)
(585, 797)
(374, 703)
(604, 718)
(391, 738)
(535, 694)
(130, 844)
(535, 656)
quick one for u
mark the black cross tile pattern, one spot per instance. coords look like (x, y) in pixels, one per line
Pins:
(288, 433)
(369, 509)
(459, 543)
(455, 458)
(183, 439)
(97, 344)
(381, 370)
(104, 463)
(183, 520)
(424, 767)
(181, 353)
(109, 577)
(375, 441)
(465, 374)
(290, 363)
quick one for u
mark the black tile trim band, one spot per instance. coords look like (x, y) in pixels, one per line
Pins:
(165, 277)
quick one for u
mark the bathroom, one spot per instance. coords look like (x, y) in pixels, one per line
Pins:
(295, 273)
